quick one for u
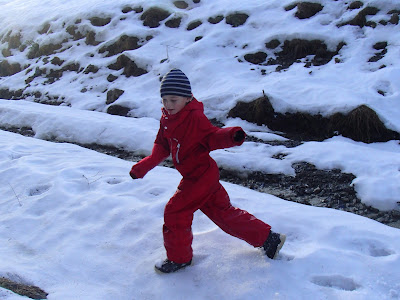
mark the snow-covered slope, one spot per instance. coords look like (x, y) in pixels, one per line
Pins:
(71, 38)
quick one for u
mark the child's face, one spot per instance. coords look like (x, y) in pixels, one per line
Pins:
(174, 104)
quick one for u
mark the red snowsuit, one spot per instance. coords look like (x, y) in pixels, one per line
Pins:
(189, 137)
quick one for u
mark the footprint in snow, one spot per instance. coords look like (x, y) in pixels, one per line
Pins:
(38, 190)
(284, 257)
(336, 282)
(371, 247)
(113, 181)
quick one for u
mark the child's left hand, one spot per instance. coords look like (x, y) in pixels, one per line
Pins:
(239, 136)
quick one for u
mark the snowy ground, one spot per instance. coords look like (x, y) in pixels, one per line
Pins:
(75, 224)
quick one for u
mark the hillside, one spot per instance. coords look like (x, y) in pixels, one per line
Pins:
(323, 59)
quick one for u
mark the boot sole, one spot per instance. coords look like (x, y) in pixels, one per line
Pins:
(282, 237)
(160, 270)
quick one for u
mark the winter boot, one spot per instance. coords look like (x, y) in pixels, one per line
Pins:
(168, 266)
(273, 244)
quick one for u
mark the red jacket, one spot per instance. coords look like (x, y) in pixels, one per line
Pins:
(189, 137)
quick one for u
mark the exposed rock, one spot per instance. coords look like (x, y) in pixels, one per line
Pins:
(394, 19)
(7, 69)
(91, 39)
(111, 78)
(290, 6)
(174, 22)
(361, 18)
(380, 45)
(194, 24)
(272, 44)
(128, 9)
(38, 72)
(6, 52)
(30, 291)
(118, 110)
(181, 4)
(361, 124)
(129, 66)
(355, 5)
(153, 16)
(38, 51)
(14, 41)
(216, 19)
(10, 95)
(76, 34)
(124, 43)
(73, 67)
(99, 22)
(294, 50)
(378, 56)
(91, 69)
(113, 95)
(256, 58)
(57, 61)
(44, 29)
(53, 76)
(306, 10)
(236, 19)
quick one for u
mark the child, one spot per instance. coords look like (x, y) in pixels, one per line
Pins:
(187, 134)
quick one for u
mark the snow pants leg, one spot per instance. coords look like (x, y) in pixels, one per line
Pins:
(235, 221)
(215, 203)
(178, 217)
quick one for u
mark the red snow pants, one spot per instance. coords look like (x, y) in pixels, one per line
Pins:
(213, 201)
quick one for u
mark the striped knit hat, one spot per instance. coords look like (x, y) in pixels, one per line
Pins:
(175, 83)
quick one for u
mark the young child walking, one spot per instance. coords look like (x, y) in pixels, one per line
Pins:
(187, 135)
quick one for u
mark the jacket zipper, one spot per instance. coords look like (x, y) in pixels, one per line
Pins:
(178, 146)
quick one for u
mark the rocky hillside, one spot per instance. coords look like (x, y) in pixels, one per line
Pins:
(108, 58)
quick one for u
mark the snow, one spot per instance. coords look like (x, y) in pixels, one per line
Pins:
(74, 222)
